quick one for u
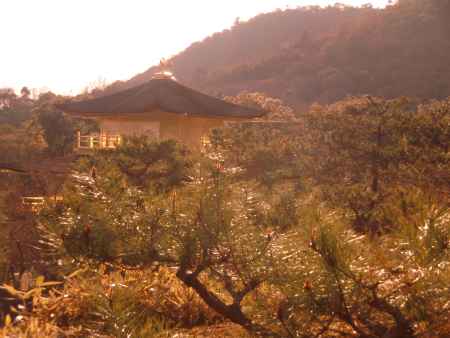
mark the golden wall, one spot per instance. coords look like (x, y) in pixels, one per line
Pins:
(161, 125)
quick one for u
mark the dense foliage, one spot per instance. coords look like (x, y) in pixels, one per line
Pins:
(331, 223)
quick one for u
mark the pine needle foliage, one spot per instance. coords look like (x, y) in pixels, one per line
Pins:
(318, 228)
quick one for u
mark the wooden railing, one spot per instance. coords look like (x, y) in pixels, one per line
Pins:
(98, 141)
(34, 204)
(37, 203)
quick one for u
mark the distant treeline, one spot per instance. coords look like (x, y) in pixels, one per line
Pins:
(314, 54)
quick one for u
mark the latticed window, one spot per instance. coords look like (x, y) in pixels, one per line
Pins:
(205, 142)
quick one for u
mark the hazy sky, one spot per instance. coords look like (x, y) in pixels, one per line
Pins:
(66, 44)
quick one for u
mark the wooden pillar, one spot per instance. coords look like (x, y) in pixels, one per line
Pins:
(103, 139)
(78, 139)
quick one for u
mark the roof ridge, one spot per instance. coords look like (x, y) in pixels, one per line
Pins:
(165, 94)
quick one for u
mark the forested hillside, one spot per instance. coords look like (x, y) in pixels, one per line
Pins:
(311, 54)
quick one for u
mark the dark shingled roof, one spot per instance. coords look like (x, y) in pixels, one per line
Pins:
(162, 94)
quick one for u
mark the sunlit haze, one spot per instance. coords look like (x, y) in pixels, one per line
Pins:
(64, 45)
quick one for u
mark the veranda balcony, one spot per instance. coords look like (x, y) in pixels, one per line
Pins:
(98, 141)
(37, 203)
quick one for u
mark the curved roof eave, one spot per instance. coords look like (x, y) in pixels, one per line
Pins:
(160, 94)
